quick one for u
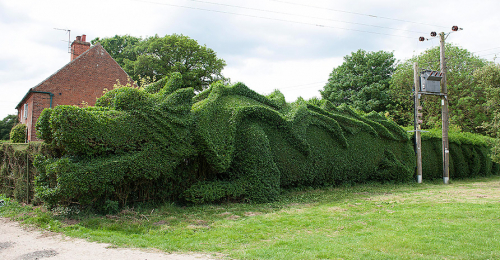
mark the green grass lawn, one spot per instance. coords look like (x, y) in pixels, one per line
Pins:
(404, 221)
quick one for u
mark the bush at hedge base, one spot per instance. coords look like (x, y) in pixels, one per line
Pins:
(18, 133)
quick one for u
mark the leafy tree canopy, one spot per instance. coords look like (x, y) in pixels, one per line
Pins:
(156, 57)
(466, 97)
(362, 81)
(6, 125)
(121, 48)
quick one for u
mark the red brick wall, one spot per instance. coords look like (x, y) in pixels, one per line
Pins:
(82, 80)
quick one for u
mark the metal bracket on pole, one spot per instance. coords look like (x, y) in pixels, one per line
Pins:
(434, 94)
(413, 131)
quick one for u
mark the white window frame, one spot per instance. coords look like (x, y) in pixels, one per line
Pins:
(25, 111)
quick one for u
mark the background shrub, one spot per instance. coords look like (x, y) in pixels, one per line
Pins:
(18, 134)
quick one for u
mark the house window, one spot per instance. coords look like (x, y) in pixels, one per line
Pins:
(25, 111)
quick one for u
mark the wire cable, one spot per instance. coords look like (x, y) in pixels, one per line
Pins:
(273, 19)
(355, 13)
(494, 53)
(299, 15)
(487, 50)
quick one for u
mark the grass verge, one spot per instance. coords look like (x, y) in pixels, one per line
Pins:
(404, 221)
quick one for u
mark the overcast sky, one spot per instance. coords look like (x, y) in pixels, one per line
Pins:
(290, 45)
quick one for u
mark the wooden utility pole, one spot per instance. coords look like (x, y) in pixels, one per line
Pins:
(444, 114)
(418, 138)
(444, 104)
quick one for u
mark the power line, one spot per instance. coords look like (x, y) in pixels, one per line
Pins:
(299, 15)
(355, 13)
(273, 19)
(489, 54)
(487, 50)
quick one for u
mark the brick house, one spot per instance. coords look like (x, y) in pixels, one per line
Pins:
(83, 80)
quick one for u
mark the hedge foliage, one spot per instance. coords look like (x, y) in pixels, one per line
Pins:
(226, 143)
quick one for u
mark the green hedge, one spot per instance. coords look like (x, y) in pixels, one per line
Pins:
(226, 143)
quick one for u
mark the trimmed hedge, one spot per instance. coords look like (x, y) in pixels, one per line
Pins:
(227, 143)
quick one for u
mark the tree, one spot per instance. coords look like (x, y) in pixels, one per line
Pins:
(6, 125)
(362, 81)
(466, 98)
(156, 57)
(121, 48)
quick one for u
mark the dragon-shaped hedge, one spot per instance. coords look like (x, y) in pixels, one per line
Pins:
(228, 142)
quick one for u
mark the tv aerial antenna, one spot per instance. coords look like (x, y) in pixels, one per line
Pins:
(68, 31)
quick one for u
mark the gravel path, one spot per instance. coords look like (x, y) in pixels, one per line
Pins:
(17, 243)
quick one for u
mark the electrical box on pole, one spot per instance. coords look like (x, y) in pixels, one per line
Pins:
(430, 81)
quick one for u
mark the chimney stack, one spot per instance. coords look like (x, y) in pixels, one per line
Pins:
(79, 46)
